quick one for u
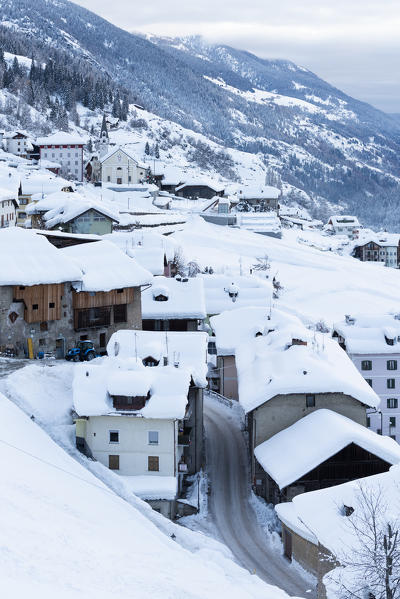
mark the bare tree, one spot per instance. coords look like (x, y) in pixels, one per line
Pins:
(262, 263)
(178, 266)
(371, 567)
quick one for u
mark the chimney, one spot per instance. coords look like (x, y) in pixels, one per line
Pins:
(349, 319)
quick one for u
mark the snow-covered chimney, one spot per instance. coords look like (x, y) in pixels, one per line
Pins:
(349, 319)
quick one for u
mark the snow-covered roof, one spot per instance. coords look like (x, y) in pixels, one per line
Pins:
(370, 333)
(105, 267)
(298, 449)
(154, 486)
(277, 364)
(60, 138)
(382, 239)
(252, 291)
(32, 260)
(344, 221)
(165, 387)
(322, 513)
(62, 207)
(234, 327)
(186, 349)
(215, 186)
(253, 193)
(124, 151)
(185, 299)
(147, 247)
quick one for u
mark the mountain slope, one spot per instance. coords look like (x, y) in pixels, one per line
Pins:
(320, 140)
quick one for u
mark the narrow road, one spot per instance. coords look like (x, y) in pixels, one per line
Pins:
(233, 515)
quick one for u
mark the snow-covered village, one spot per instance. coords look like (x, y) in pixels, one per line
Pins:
(199, 309)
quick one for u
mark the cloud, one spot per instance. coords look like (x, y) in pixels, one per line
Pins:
(354, 44)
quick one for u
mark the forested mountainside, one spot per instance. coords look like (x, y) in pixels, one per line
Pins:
(320, 140)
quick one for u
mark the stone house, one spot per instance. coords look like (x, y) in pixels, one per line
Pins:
(320, 450)
(263, 199)
(372, 342)
(174, 304)
(317, 529)
(120, 167)
(140, 412)
(50, 298)
(289, 372)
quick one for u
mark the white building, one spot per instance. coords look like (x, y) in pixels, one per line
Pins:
(65, 149)
(17, 143)
(373, 344)
(344, 225)
(139, 411)
(8, 208)
(120, 167)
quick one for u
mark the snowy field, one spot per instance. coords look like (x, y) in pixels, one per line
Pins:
(316, 284)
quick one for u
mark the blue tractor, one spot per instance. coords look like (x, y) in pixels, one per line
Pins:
(83, 351)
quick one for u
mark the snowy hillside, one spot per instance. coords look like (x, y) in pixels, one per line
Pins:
(320, 140)
(66, 534)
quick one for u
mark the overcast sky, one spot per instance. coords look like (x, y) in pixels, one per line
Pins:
(353, 44)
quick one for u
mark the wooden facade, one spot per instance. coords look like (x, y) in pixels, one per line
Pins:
(42, 302)
(100, 299)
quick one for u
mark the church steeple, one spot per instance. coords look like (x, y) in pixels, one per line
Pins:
(104, 139)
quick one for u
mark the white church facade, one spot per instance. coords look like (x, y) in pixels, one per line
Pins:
(120, 167)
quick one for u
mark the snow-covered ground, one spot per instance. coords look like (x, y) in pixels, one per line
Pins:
(73, 532)
(316, 284)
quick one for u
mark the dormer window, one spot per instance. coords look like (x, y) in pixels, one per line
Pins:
(150, 361)
(160, 298)
(348, 510)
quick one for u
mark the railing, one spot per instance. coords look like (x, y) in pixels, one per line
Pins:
(221, 398)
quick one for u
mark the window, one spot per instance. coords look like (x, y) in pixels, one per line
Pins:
(51, 304)
(120, 313)
(113, 437)
(369, 381)
(310, 401)
(392, 402)
(391, 364)
(113, 462)
(35, 306)
(379, 431)
(366, 365)
(153, 463)
(42, 342)
(392, 421)
(44, 326)
(153, 437)
(390, 383)
(368, 422)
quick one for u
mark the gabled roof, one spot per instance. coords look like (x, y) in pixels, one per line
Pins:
(105, 267)
(185, 299)
(126, 152)
(32, 260)
(165, 386)
(344, 221)
(252, 193)
(298, 449)
(62, 207)
(272, 365)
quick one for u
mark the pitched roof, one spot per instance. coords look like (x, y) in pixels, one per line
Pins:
(32, 260)
(124, 151)
(271, 365)
(62, 207)
(217, 187)
(298, 449)
(105, 267)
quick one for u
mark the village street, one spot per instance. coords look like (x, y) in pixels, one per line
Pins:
(231, 510)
